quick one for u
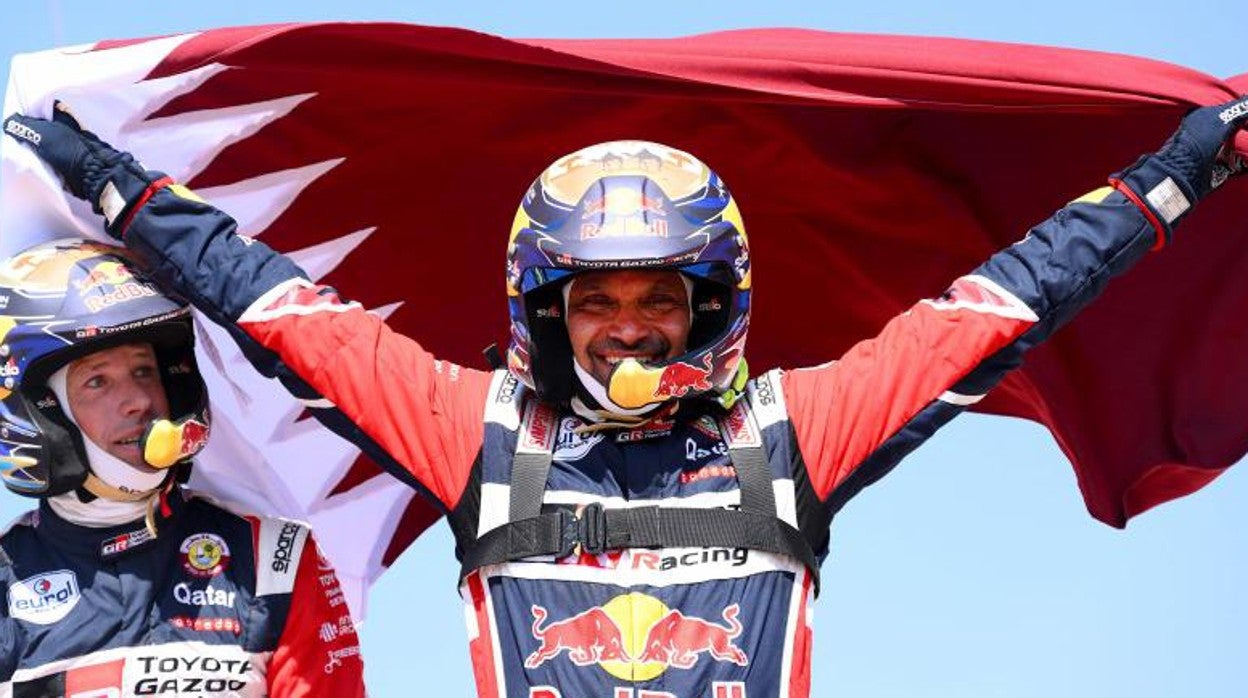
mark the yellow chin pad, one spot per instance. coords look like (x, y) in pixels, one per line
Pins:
(166, 443)
(633, 385)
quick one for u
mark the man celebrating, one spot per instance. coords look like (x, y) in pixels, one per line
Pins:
(635, 515)
(123, 583)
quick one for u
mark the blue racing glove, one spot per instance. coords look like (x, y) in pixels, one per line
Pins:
(111, 180)
(1197, 159)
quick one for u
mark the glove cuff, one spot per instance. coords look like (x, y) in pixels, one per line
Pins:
(121, 193)
(1161, 192)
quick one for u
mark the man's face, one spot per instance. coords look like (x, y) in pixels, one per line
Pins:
(114, 394)
(615, 315)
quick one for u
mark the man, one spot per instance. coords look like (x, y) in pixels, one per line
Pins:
(635, 516)
(122, 582)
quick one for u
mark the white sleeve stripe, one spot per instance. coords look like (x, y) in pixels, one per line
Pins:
(1016, 310)
(959, 399)
(258, 311)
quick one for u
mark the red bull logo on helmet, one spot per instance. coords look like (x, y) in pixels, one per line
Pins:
(106, 273)
(109, 283)
(636, 637)
(624, 201)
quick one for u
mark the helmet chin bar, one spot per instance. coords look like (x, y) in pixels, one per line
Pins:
(166, 443)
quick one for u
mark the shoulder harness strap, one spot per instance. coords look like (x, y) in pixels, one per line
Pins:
(529, 532)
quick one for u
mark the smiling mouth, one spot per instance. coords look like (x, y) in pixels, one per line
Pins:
(640, 358)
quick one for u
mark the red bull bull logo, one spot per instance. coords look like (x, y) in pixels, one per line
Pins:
(678, 378)
(634, 384)
(678, 639)
(588, 638)
(636, 637)
(103, 274)
(624, 213)
(194, 437)
(623, 202)
(167, 442)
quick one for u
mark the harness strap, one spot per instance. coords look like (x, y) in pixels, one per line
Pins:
(530, 533)
(745, 449)
(531, 465)
(597, 530)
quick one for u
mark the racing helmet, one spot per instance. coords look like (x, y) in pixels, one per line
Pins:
(60, 301)
(630, 205)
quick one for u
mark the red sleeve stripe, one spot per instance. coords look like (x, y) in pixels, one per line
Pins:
(142, 201)
(1148, 212)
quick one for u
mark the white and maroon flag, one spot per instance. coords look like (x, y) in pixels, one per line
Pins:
(388, 160)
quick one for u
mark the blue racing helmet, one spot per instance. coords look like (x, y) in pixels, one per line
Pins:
(63, 300)
(630, 205)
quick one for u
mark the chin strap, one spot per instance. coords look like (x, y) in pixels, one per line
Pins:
(102, 489)
(157, 498)
(601, 420)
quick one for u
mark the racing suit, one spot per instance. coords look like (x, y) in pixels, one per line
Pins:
(216, 604)
(722, 622)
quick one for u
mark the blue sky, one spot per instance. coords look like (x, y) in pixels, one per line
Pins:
(973, 570)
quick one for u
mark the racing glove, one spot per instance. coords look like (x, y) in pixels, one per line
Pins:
(112, 181)
(1197, 159)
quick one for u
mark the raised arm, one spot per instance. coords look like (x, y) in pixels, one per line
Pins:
(857, 417)
(418, 417)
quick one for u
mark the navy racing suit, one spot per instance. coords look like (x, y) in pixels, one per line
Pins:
(723, 622)
(216, 604)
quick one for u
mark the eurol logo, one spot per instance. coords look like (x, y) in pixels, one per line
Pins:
(44, 598)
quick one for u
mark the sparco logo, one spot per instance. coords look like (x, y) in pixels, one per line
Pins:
(23, 132)
(1234, 112)
(285, 547)
(763, 391)
(507, 391)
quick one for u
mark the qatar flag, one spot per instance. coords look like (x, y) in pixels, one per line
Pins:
(388, 160)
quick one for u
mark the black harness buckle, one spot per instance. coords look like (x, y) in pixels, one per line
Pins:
(593, 529)
(584, 533)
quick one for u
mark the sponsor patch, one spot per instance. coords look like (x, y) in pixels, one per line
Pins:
(333, 658)
(208, 596)
(285, 549)
(44, 598)
(653, 429)
(539, 432)
(205, 555)
(23, 132)
(573, 446)
(188, 674)
(119, 544)
(207, 625)
(740, 430)
(708, 472)
(278, 550)
(1234, 112)
(332, 630)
